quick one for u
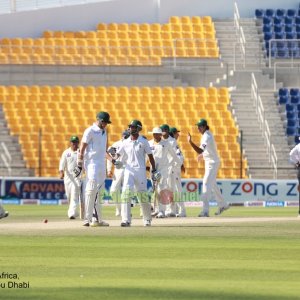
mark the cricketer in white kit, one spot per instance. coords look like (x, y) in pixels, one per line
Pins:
(161, 150)
(212, 162)
(178, 168)
(295, 159)
(171, 208)
(118, 174)
(67, 164)
(92, 156)
(136, 148)
(3, 213)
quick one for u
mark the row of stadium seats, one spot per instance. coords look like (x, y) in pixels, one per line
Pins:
(282, 25)
(46, 108)
(116, 44)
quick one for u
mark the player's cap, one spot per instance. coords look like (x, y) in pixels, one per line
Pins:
(165, 127)
(202, 122)
(156, 130)
(74, 139)
(103, 116)
(136, 123)
(174, 130)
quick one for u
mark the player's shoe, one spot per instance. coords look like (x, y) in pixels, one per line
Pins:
(160, 215)
(86, 223)
(4, 215)
(99, 224)
(203, 215)
(170, 215)
(180, 215)
(147, 223)
(222, 209)
(72, 218)
(125, 224)
(154, 213)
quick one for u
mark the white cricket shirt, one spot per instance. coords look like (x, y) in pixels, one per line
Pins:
(208, 145)
(295, 154)
(136, 151)
(68, 162)
(96, 140)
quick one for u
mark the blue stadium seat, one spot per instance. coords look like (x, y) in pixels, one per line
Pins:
(289, 107)
(283, 92)
(268, 36)
(278, 20)
(270, 12)
(280, 12)
(278, 28)
(292, 123)
(297, 19)
(294, 92)
(297, 28)
(289, 28)
(267, 28)
(290, 115)
(291, 35)
(295, 99)
(259, 13)
(267, 20)
(297, 139)
(298, 107)
(280, 35)
(291, 131)
(289, 20)
(291, 12)
(283, 100)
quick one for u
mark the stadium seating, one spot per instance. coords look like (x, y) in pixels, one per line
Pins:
(117, 44)
(280, 24)
(62, 111)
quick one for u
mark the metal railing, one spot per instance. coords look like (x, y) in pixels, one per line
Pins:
(264, 125)
(289, 65)
(6, 158)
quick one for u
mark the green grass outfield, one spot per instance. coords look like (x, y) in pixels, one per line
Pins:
(213, 260)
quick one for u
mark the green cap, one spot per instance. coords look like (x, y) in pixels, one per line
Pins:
(174, 130)
(103, 116)
(202, 122)
(136, 123)
(74, 139)
(165, 127)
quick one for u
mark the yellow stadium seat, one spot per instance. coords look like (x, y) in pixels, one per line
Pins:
(174, 20)
(102, 26)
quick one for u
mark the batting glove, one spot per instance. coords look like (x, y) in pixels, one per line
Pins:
(298, 165)
(77, 170)
(112, 151)
(156, 176)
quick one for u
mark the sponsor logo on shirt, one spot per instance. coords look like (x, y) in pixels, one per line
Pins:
(203, 146)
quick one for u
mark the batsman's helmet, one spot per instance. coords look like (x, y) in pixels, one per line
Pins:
(103, 116)
(136, 123)
(202, 122)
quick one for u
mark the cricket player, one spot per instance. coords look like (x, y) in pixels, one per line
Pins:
(136, 148)
(212, 162)
(178, 168)
(68, 162)
(162, 149)
(3, 213)
(92, 156)
(118, 174)
(295, 159)
(171, 208)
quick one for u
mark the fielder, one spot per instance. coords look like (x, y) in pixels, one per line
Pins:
(180, 207)
(3, 213)
(212, 162)
(162, 149)
(135, 181)
(92, 156)
(68, 162)
(171, 208)
(295, 159)
(118, 174)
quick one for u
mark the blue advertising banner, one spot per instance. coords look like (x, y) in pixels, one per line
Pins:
(234, 191)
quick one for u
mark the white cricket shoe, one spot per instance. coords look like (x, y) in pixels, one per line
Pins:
(203, 215)
(180, 215)
(222, 209)
(125, 224)
(4, 215)
(154, 213)
(147, 223)
(160, 215)
(170, 215)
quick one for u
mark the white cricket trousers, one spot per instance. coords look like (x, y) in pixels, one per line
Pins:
(163, 184)
(72, 188)
(210, 186)
(95, 180)
(135, 184)
(116, 188)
